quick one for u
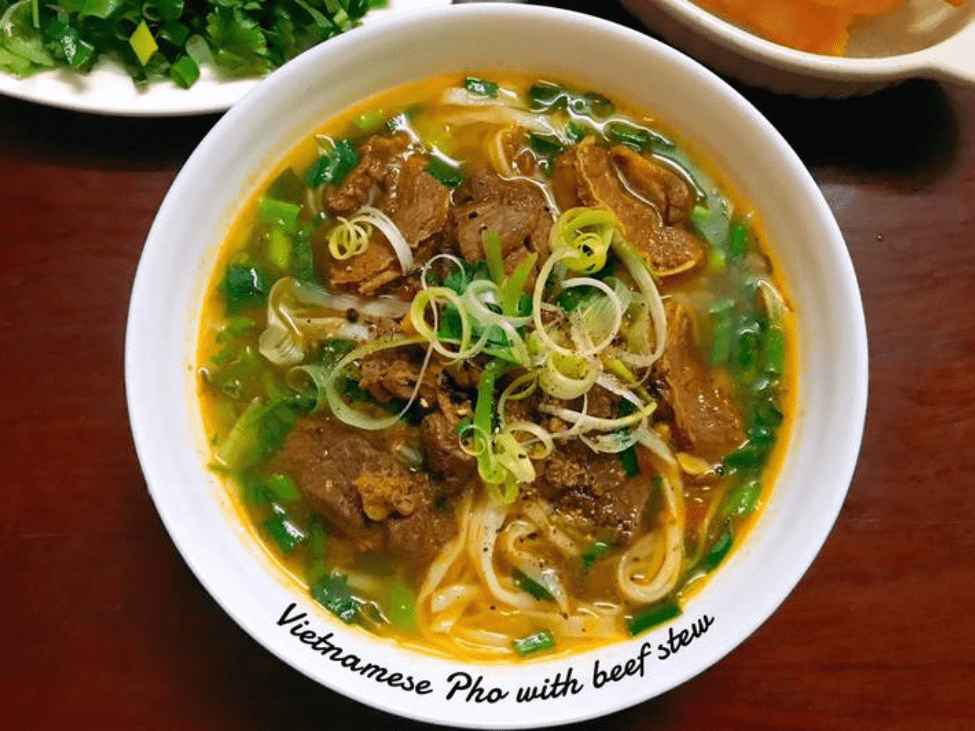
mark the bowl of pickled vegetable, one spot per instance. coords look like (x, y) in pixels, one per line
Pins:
(497, 376)
(817, 48)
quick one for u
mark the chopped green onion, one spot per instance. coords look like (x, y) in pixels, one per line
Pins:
(717, 260)
(530, 586)
(279, 249)
(492, 253)
(280, 214)
(545, 96)
(283, 487)
(332, 592)
(512, 295)
(143, 43)
(722, 330)
(657, 615)
(537, 642)
(631, 465)
(592, 553)
(316, 538)
(446, 171)
(773, 351)
(743, 499)
(369, 121)
(184, 72)
(718, 551)
(749, 456)
(402, 606)
(629, 134)
(544, 144)
(287, 187)
(738, 244)
(332, 167)
(258, 432)
(176, 34)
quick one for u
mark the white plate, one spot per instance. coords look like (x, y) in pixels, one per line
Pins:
(108, 89)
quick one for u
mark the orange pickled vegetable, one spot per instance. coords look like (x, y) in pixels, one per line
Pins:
(817, 26)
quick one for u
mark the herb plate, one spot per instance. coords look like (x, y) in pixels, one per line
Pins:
(108, 89)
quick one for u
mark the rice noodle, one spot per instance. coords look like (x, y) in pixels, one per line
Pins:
(298, 311)
(538, 511)
(447, 597)
(504, 116)
(660, 551)
(486, 523)
(534, 567)
(450, 552)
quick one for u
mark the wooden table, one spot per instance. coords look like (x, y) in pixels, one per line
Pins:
(105, 627)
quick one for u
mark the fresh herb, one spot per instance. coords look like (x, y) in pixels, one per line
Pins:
(332, 592)
(170, 39)
(333, 166)
(285, 533)
(481, 87)
(245, 286)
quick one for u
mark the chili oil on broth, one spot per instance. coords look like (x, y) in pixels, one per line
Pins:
(381, 587)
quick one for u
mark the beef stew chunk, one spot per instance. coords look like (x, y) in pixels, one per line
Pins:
(705, 417)
(585, 175)
(364, 492)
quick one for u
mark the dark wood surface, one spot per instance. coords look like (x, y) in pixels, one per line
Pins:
(104, 626)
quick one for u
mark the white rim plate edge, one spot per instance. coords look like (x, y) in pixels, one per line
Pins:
(109, 90)
(143, 346)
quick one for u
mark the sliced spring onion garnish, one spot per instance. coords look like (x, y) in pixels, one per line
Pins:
(595, 423)
(350, 237)
(341, 410)
(641, 275)
(587, 232)
(298, 311)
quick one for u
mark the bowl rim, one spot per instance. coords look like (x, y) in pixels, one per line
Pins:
(196, 165)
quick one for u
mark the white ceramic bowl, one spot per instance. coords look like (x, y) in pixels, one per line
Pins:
(222, 173)
(924, 38)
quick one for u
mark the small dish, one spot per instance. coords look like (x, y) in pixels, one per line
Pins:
(924, 38)
(107, 89)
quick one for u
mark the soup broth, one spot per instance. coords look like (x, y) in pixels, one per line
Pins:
(494, 367)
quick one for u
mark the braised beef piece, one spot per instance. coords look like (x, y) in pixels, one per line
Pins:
(706, 419)
(601, 403)
(365, 493)
(663, 187)
(594, 487)
(515, 210)
(417, 203)
(585, 175)
(392, 374)
(422, 534)
(414, 200)
(375, 155)
(441, 444)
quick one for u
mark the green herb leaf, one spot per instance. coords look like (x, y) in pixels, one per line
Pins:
(333, 593)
